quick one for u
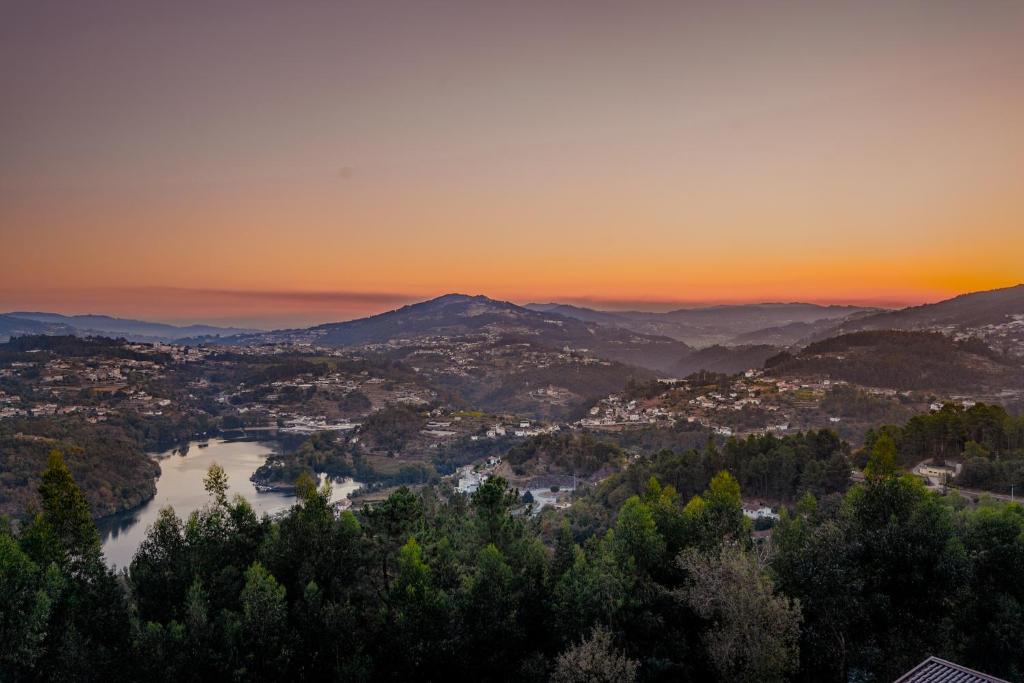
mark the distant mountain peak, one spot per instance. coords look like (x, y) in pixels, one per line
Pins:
(41, 322)
(457, 297)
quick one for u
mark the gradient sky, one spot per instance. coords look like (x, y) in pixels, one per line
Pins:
(281, 163)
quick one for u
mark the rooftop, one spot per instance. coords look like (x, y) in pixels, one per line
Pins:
(935, 670)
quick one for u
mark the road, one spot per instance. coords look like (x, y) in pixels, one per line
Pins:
(970, 494)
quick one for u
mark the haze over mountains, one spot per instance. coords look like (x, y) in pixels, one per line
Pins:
(974, 310)
(727, 324)
(17, 323)
(751, 333)
(718, 338)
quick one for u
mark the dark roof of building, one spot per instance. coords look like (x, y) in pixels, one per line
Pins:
(935, 670)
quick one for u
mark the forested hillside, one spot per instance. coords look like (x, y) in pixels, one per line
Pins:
(987, 440)
(724, 359)
(902, 360)
(110, 466)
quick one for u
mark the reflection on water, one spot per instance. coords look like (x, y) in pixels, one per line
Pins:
(181, 486)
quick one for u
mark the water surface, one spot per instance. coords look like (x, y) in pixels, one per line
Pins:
(181, 486)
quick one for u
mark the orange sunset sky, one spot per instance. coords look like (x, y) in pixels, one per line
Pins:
(272, 164)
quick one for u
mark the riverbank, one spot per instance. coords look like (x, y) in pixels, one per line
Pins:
(180, 486)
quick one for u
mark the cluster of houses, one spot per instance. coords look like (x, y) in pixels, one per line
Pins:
(614, 411)
(1006, 336)
(524, 428)
(83, 387)
(469, 477)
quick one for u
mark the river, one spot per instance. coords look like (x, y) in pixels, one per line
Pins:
(181, 486)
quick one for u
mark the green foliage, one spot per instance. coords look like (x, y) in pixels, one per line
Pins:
(263, 627)
(768, 466)
(636, 537)
(216, 484)
(998, 476)
(28, 594)
(945, 434)
(63, 532)
(882, 461)
(564, 453)
(853, 403)
(114, 471)
(392, 427)
(855, 587)
(716, 515)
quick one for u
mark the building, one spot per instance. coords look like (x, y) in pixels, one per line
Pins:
(935, 670)
(756, 512)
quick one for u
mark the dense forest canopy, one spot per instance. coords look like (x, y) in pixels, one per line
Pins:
(434, 586)
(950, 432)
(985, 439)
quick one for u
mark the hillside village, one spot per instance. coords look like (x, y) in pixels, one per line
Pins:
(465, 381)
(326, 397)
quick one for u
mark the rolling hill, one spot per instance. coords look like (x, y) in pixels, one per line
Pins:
(996, 317)
(12, 326)
(767, 323)
(454, 315)
(32, 322)
(903, 360)
(724, 359)
(973, 310)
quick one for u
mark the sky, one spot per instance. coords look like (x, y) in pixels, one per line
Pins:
(271, 164)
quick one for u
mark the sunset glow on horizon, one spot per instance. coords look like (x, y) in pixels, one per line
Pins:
(270, 165)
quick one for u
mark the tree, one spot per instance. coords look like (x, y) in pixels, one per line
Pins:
(636, 537)
(489, 614)
(724, 505)
(663, 502)
(216, 484)
(27, 595)
(973, 449)
(811, 562)
(66, 513)
(158, 572)
(717, 515)
(565, 551)
(882, 461)
(911, 567)
(590, 591)
(264, 625)
(88, 629)
(595, 660)
(991, 619)
(492, 503)
(752, 632)
(419, 624)
(390, 525)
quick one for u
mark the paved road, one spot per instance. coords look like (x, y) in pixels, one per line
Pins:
(970, 494)
(974, 494)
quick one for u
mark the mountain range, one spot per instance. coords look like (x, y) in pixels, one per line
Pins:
(19, 323)
(994, 307)
(457, 315)
(766, 323)
(719, 338)
(752, 333)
